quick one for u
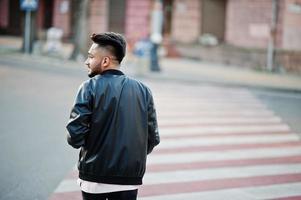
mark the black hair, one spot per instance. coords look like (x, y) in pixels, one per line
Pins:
(114, 42)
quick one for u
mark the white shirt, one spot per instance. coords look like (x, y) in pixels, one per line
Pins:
(96, 188)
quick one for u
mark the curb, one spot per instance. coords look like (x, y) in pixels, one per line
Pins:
(17, 59)
(225, 84)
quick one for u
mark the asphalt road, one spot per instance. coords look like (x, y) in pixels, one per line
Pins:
(287, 105)
(35, 102)
(35, 105)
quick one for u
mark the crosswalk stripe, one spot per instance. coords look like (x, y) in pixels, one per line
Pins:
(203, 109)
(248, 193)
(215, 92)
(203, 95)
(215, 135)
(211, 116)
(210, 103)
(187, 176)
(298, 197)
(213, 164)
(225, 155)
(210, 106)
(205, 99)
(223, 130)
(212, 124)
(214, 113)
(184, 142)
(182, 176)
(224, 147)
(68, 185)
(218, 184)
(206, 120)
(66, 196)
(172, 189)
(221, 163)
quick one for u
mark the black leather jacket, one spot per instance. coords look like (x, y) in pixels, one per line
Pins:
(113, 121)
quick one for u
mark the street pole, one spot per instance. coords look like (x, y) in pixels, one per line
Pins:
(272, 40)
(27, 32)
(156, 34)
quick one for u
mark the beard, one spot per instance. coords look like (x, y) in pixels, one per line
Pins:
(94, 70)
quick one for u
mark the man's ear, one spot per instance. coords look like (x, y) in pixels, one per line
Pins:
(106, 61)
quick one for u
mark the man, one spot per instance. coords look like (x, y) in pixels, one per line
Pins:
(113, 122)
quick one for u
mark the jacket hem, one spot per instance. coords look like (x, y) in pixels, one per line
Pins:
(111, 179)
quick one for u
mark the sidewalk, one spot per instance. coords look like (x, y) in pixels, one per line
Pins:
(180, 69)
(197, 71)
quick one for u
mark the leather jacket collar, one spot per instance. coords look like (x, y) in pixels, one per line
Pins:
(113, 72)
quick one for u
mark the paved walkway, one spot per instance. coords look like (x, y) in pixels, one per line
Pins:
(188, 71)
(196, 71)
(180, 69)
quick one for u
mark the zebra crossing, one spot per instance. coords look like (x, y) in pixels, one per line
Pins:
(216, 143)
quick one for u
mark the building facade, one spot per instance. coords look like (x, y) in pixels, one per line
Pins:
(238, 22)
(241, 23)
(130, 17)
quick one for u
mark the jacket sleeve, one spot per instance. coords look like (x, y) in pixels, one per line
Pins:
(78, 126)
(153, 132)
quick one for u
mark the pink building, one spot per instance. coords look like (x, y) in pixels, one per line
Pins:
(243, 24)
(130, 17)
(240, 23)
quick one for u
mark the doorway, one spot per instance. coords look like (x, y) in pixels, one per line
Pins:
(117, 16)
(15, 19)
(48, 15)
(213, 18)
(167, 17)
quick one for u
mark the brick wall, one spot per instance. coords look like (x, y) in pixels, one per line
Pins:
(186, 20)
(4, 13)
(137, 24)
(292, 25)
(40, 15)
(62, 20)
(248, 22)
(98, 16)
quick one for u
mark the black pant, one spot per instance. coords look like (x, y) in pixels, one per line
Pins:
(122, 195)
